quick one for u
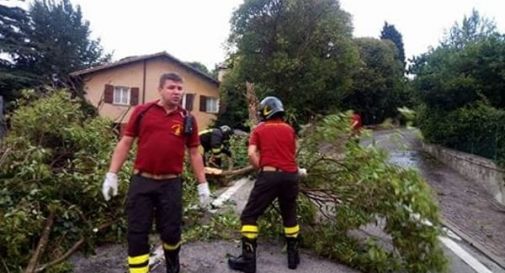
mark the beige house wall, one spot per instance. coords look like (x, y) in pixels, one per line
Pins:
(132, 75)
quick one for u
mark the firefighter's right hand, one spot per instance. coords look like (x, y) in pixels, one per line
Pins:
(109, 186)
(302, 172)
(204, 195)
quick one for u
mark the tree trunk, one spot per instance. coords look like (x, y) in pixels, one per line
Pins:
(252, 103)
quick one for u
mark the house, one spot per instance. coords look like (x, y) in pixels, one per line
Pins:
(117, 87)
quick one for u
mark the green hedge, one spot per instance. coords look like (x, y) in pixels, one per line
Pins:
(478, 129)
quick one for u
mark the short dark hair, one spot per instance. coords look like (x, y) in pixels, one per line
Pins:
(169, 76)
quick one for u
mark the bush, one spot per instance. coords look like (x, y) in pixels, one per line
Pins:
(477, 129)
(53, 162)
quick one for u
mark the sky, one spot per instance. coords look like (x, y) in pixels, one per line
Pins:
(196, 30)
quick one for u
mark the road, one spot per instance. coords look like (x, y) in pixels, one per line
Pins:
(403, 147)
(462, 203)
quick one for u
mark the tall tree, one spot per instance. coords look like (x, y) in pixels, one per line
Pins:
(14, 42)
(378, 87)
(300, 51)
(391, 33)
(62, 39)
(461, 85)
(472, 28)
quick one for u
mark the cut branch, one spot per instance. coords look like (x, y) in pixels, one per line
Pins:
(74, 248)
(229, 173)
(41, 246)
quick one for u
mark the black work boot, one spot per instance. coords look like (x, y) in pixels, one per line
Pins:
(247, 261)
(293, 253)
(172, 260)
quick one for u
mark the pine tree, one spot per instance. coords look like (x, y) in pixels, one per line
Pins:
(390, 32)
(14, 43)
(62, 39)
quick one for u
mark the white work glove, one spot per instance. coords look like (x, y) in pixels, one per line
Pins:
(109, 184)
(204, 195)
(302, 172)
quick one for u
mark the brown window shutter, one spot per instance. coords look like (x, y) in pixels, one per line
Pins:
(189, 102)
(134, 96)
(203, 103)
(108, 93)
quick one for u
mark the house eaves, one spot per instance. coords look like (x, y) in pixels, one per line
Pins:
(129, 60)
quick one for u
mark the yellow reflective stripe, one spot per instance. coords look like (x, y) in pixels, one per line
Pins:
(249, 231)
(138, 259)
(217, 150)
(292, 231)
(249, 228)
(250, 235)
(172, 247)
(204, 132)
(144, 269)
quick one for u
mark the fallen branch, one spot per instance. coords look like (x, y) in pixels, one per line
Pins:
(221, 173)
(63, 257)
(69, 252)
(4, 156)
(34, 260)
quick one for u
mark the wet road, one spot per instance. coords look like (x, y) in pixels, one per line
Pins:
(463, 203)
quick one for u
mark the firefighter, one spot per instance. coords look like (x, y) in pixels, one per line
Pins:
(163, 131)
(216, 142)
(271, 150)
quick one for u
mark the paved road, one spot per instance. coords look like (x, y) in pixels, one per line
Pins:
(462, 202)
(210, 257)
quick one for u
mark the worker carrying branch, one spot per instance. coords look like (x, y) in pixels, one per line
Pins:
(215, 144)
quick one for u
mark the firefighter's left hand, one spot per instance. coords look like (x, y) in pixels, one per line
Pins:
(204, 195)
(302, 172)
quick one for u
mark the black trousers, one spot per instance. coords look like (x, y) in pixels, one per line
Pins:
(150, 199)
(268, 186)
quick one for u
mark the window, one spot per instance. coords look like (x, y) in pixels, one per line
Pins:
(212, 105)
(187, 101)
(121, 95)
(209, 104)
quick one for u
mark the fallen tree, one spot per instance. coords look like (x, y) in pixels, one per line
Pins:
(351, 189)
(52, 165)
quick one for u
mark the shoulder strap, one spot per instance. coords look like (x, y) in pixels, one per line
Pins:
(141, 116)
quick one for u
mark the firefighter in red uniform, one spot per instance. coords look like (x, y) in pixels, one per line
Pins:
(356, 124)
(272, 146)
(163, 130)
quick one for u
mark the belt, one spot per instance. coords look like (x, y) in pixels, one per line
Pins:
(155, 176)
(270, 169)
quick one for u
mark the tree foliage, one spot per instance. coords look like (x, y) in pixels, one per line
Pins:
(14, 28)
(52, 162)
(461, 85)
(45, 44)
(471, 29)
(62, 38)
(379, 86)
(300, 51)
(351, 188)
(389, 32)
(200, 67)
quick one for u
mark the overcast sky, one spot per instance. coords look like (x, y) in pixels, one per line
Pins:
(196, 30)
